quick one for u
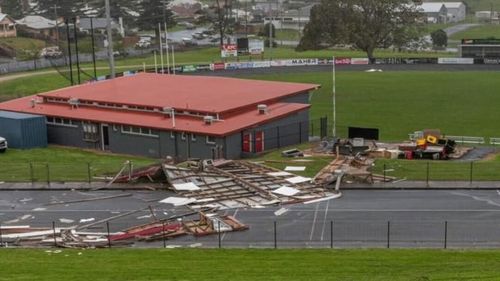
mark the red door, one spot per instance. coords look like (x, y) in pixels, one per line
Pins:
(259, 141)
(247, 142)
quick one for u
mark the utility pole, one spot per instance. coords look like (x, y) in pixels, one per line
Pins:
(110, 40)
(76, 51)
(69, 52)
(270, 30)
(93, 46)
(57, 25)
(334, 88)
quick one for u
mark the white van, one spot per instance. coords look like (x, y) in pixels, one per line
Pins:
(3, 144)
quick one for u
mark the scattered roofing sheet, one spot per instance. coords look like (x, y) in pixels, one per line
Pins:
(186, 186)
(295, 168)
(286, 191)
(298, 179)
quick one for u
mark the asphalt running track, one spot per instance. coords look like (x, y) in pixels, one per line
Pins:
(340, 68)
(360, 218)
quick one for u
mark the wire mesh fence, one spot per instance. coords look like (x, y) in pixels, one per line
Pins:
(421, 170)
(299, 234)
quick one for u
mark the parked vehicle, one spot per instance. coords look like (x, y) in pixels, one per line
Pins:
(51, 52)
(3, 145)
(144, 42)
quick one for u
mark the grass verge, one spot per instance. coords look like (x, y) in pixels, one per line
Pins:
(61, 164)
(194, 264)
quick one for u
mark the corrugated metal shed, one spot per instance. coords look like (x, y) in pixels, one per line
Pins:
(23, 130)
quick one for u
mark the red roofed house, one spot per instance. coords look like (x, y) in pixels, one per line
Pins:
(174, 115)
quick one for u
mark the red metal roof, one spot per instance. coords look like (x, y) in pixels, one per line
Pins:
(182, 92)
(235, 123)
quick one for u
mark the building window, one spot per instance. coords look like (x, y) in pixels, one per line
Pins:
(60, 122)
(193, 137)
(183, 136)
(90, 132)
(210, 140)
(141, 131)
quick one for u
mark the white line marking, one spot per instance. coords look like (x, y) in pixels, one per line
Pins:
(324, 219)
(477, 198)
(314, 222)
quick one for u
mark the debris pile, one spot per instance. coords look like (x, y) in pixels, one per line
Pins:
(224, 184)
(74, 237)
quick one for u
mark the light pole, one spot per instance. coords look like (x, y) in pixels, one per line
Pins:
(334, 101)
(110, 40)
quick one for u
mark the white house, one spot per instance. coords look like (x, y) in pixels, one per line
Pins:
(434, 12)
(291, 19)
(457, 11)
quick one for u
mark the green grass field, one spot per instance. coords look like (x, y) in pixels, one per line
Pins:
(459, 103)
(64, 164)
(440, 170)
(247, 264)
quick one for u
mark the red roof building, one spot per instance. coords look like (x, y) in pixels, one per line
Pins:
(181, 116)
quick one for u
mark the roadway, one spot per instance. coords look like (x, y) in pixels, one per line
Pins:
(360, 218)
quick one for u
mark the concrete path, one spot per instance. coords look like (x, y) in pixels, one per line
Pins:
(459, 28)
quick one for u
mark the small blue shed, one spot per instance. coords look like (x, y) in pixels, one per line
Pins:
(23, 130)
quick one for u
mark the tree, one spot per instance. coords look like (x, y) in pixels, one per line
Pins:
(439, 38)
(219, 15)
(365, 24)
(118, 9)
(154, 12)
(63, 8)
(12, 8)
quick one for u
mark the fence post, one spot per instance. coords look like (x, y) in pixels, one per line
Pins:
(32, 174)
(54, 232)
(446, 234)
(427, 176)
(275, 237)
(48, 174)
(388, 234)
(220, 240)
(471, 169)
(130, 168)
(163, 235)
(109, 236)
(89, 178)
(331, 234)
(385, 167)
(1, 239)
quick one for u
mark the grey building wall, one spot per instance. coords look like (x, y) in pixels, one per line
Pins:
(70, 136)
(290, 130)
(293, 129)
(301, 98)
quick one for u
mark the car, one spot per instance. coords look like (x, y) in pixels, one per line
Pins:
(3, 145)
(144, 43)
(51, 52)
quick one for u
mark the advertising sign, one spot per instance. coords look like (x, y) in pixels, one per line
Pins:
(360, 61)
(229, 50)
(455, 60)
(189, 68)
(218, 66)
(342, 61)
(256, 47)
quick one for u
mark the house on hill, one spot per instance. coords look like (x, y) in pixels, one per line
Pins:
(434, 12)
(7, 26)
